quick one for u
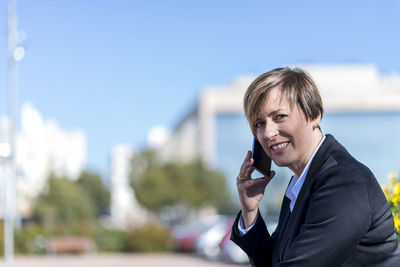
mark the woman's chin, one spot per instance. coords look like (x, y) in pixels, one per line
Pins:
(281, 163)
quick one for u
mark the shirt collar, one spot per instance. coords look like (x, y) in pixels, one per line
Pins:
(297, 182)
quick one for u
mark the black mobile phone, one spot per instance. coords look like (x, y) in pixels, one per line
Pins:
(262, 162)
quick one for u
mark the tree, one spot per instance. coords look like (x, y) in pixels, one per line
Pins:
(99, 195)
(64, 208)
(159, 185)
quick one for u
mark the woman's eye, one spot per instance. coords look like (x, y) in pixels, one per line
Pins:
(280, 117)
(258, 124)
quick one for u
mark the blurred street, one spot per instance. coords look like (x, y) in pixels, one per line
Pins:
(125, 135)
(119, 260)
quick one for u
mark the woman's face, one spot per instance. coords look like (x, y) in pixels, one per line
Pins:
(285, 134)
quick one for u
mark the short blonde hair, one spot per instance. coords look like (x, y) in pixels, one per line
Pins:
(296, 86)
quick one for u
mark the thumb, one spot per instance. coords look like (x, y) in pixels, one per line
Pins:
(269, 178)
(264, 180)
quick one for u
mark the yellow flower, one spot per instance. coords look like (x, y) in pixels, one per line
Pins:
(392, 175)
(397, 223)
(385, 189)
(392, 193)
(396, 189)
(395, 200)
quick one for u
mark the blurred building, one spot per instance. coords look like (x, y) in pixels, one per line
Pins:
(42, 148)
(125, 211)
(362, 110)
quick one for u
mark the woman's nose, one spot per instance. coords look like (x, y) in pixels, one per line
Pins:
(271, 130)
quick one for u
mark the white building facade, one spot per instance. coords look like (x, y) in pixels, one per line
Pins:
(125, 211)
(41, 148)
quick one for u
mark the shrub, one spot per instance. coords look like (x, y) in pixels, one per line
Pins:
(29, 239)
(110, 240)
(149, 238)
(392, 193)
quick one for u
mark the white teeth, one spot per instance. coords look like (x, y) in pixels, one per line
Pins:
(279, 146)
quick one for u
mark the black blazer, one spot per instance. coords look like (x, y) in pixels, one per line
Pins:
(341, 218)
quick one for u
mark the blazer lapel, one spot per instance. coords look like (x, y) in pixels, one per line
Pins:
(285, 217)
(285, 231)
(320, 162)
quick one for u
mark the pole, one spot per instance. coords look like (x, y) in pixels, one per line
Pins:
(10, 194)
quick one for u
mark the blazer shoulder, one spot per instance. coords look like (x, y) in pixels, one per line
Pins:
(336, 166)
(333, 156)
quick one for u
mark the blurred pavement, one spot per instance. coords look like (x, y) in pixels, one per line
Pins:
(116, 260)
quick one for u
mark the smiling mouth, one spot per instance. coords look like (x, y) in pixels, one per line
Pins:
(279, 146)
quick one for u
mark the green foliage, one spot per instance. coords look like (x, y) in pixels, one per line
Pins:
(158, 185)
(110, 240)
(1, 238)
(392, 193)
(99, 195)
(149, 238)
(29, 239)
(69, 208)
(64, 208)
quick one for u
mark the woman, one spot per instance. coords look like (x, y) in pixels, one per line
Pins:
(334, 212)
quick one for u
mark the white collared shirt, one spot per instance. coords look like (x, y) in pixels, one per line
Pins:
(292, 192)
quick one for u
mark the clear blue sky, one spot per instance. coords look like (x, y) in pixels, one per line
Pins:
(117, 68)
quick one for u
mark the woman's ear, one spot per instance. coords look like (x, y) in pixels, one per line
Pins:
(316, 122)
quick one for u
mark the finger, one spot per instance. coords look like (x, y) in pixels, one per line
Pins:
(246, 169)
(248, 156)
(241, 179)
(269, 178)
(248, 160)
(245, 175)
(266, 179)
(271, 174)
(263, 182)
(252, 183)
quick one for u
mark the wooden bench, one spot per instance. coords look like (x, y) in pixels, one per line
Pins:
(59, 245)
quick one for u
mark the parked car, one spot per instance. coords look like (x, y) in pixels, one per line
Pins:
(230, 252)
(185, 236)
(207, 243)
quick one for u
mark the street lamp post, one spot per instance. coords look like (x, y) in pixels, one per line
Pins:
(15, 53)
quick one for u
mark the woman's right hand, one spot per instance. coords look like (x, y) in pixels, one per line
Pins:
(251, 191)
